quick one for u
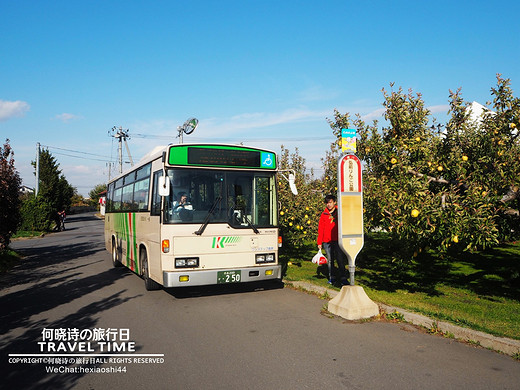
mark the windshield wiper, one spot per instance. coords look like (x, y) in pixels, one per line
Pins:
(244, 215)
(208, 216)
(251, 225)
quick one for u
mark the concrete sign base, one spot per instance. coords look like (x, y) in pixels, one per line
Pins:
(352, 303)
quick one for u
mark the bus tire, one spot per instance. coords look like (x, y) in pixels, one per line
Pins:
(149, 284)
(116, 262)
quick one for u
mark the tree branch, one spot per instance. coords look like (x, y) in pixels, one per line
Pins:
(430, 178)
(511, 194)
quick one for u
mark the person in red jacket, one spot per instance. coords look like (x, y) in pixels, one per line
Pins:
(328, 239)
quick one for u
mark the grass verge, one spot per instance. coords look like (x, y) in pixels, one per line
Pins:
(8, 259)
(480, 291)
(27, 234)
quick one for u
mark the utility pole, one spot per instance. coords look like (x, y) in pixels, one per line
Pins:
(37, 187)
(109, 165)
(121, 135)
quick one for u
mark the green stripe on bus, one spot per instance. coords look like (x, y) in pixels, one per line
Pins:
(134, 233)
(126, 231)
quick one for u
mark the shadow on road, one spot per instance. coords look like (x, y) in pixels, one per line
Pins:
(55, 271)
(223, 289)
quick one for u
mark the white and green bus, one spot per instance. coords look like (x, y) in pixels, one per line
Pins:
(196, 214)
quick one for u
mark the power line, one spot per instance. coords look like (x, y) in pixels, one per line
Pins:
(80, 157)
(155, 136)
(75, 151)
(152, 136)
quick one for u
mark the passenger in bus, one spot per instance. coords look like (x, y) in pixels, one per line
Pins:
(182, 208)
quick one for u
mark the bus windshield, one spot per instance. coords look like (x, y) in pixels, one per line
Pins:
(242, 199)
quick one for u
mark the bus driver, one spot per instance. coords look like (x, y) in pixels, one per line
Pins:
(182, 208)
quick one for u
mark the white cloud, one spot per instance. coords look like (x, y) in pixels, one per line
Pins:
(296, 127)
(84, 177)
(82, 169)
(317, 93)
(222, 127)
(376, 114)
(261, 120)
(440, 108)
(10, 110)
(66, 117)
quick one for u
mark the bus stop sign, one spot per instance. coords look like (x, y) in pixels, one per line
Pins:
(352, 302)
(350, 209)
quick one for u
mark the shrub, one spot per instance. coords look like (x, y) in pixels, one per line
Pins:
(9, 196)
(37, 214)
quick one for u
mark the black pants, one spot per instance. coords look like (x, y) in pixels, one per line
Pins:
(334, 252)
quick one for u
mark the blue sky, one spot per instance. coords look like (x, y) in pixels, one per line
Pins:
(265, 73)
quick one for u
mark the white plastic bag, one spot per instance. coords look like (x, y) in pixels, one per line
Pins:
(319, 258)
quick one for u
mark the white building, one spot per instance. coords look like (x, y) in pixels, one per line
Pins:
(26, 190)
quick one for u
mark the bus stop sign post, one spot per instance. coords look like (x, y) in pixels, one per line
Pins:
(350, 209)
(352, 302)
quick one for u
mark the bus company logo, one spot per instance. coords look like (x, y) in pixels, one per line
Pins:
(222, 242)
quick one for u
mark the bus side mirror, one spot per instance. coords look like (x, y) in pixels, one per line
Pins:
(164, 186)
(294, 190)
(291, 179)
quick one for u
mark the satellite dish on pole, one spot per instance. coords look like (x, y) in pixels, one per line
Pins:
(188, 127)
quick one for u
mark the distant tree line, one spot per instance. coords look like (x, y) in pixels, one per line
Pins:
(31, 212)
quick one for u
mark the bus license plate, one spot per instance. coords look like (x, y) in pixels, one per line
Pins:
(228, 277)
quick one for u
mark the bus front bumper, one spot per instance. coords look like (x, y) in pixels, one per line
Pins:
(190, 277)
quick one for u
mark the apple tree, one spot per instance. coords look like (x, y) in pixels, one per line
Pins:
(298, 214)
(452, 186)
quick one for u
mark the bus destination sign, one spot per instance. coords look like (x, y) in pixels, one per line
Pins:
(221, 156)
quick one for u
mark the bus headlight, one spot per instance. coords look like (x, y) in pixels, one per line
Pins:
(186, 262)
(265, 258)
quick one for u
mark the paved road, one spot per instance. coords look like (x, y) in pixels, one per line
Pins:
(212, 338)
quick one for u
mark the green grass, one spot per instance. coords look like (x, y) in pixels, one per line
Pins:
(8, 259)
(480, 291)
(26, 234)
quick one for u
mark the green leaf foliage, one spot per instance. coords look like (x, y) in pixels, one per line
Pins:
(452, 187)
(9, 196)
(55, 194)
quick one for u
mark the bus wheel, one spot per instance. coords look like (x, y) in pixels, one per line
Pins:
(115, 254)
(148, 283)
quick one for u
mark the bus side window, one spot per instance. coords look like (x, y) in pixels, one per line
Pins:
(156, 198)
(128, 196)
(141, 194)
(116, 204)
(110, 197)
